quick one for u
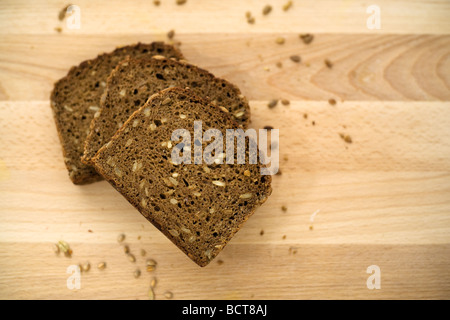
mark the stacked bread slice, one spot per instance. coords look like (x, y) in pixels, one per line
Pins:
(122, 130)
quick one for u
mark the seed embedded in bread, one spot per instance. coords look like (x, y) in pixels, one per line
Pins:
(75, 98)
(199, 226)
(141, 78)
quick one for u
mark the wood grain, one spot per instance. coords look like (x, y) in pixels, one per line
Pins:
(383, 199)
(384, 67)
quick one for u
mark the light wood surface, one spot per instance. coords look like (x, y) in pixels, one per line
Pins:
(382, 200)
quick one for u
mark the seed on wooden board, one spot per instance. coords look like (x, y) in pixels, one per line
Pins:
(284, 208)
(180, 2)
(101, 265)
(251, 20)
(137, 273)
(168, 295)
(287, 5)
(267, 9)
(131, 257)
(85, 267)
(307, 38)
(151, 263)
(171, 34)
(272, 104)
(120, 237)
(346, 137)
(280, 40)
(151, 294)
(295, 58)
(156, 2)
(153, 282)
(285, 102)
(143, 252)
(332, 101)
(328, 63)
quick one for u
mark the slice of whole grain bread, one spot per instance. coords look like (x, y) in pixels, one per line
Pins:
(75, 100)
(134, 80)
(199, 207)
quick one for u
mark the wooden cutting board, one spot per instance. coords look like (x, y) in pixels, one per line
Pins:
(382, 200)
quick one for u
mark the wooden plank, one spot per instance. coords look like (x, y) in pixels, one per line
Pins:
(302, 272)
(206, 16)
(386, 67)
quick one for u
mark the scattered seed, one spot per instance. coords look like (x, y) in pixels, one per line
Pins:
(313, 123)
(64, 247)
(284, 208)
(131, 257)
(280, 40)
(180, 2)
(219, 262)
(246, 196)
(305, 116)
(168, 295)
(182, 116)
(272, 104)
(328, 63)
(156, 2)
(279, 64)
(85, 267)
(62, 13)
(151, 263)
(307, 38)
(153, 282)
(137, 273)
(251, 20)
(267, 9)
(122, 92)
(285, 102)
(295, 58)
(171, 34)
(287, 6)
(143, 252)
(173, 201)
(346, 137)
(261, 232)
(58, 29)
(126, 249)
(283, 237)
(311, 227)
(121, 238)
(332, 101)
(101, 265)
(151, 293)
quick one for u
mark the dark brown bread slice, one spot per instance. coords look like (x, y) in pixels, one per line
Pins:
(199, 207)
(76, 99)
(133, 81)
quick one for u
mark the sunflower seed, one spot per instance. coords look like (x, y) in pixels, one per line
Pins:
(101, 265)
